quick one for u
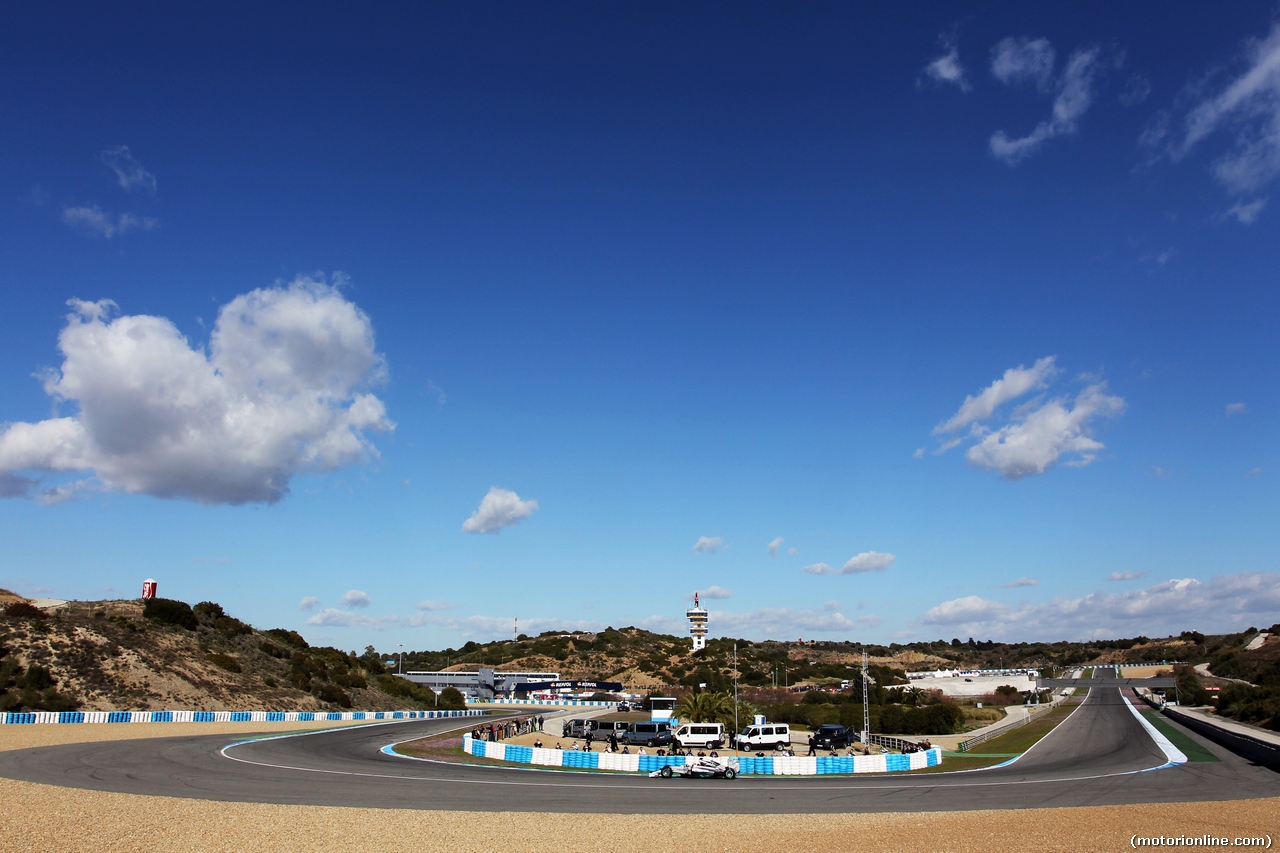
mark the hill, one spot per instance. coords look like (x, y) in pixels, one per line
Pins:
(165, 654)
(109, 655)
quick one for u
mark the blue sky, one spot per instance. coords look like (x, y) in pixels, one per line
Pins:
(396, 326)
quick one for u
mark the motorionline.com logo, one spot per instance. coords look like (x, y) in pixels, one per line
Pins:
(1136, 841)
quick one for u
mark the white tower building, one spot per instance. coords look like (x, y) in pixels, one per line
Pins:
(697, 616)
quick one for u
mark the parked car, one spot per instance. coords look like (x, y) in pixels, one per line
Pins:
(576, 727)
(649, 734)
(833, 737)
(601, 729)
(766, 736)
(624, 706)
(699, 736)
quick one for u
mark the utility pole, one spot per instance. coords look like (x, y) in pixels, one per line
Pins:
(400, 666)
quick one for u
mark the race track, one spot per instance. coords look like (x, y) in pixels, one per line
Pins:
(1101, 755)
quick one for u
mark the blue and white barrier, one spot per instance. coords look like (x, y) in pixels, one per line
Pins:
(44, 717)
(771, 766)
(546, 702)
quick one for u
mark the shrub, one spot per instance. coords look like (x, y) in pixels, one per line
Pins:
(347, 678)
(272, 650)
(209, 610)
(292, 638)
(222, 661)
(451, 699)
(231, 626)
(334, 694)
(24, 610)
(167, 611)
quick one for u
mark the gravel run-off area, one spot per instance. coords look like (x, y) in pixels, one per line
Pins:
(45, 818)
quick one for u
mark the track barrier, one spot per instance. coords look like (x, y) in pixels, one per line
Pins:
(769, 766)
(65, 717)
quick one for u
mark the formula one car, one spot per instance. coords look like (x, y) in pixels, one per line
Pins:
(703, 768)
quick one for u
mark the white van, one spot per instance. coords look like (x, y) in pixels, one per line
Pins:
(766, 736)
(700, 736)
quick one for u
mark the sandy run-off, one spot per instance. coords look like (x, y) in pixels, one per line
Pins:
(46, 818)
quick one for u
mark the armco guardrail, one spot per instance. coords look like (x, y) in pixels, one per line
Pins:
(636, 763)
(1253, 748)
(966, 745)
(65, 717)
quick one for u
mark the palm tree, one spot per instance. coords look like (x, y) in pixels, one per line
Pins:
(706, 708)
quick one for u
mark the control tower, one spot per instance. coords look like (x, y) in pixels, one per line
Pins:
(697, 616)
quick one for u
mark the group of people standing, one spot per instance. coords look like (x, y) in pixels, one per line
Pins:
(509, 729)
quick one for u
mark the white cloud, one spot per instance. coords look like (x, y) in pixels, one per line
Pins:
(1253, 472)
(500, 508)
(711, 593)
(867, 561)
(946, 68)
(1246, 212)
(1041, 435)
(967, 610)
(1021, 582)
(331, 618)
(707, 544)
(308, 603)
(1015, 382)
(918, 454)
(1126, 576)
(488, 627)
(279, 393)
(434, 606)
(1074, 97)
(1247, 108)
(770, 623)
(1046, 434)
(357, 599)
(1224, 603)
(774, 546)
(129, 171)
(1237, 409)
(97, 221)
(1023, 60)
(793, 551)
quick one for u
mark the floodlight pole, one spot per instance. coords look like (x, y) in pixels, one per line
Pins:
(866, 708)
(400, 664)
(735, 697)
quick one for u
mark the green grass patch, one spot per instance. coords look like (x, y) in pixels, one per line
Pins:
(1191, 749)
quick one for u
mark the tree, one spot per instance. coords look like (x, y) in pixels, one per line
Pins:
(451, 699)
(706, 708)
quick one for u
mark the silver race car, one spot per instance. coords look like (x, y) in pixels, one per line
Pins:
(704, 768)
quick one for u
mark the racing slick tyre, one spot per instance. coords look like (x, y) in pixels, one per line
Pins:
(730, 773)
(665, 772)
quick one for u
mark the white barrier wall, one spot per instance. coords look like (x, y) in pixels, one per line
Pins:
(65, 717)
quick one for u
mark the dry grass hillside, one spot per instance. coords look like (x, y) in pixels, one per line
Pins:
(109, 655)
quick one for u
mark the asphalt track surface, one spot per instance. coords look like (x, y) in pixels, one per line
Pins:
(1100, 755)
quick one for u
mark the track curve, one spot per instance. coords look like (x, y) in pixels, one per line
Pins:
(1100, 755)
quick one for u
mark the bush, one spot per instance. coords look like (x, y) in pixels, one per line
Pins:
(231, 626)
(24, 610)
(209, 610)
(222, 661)
(451, 699)
(292, 638)
(333, 694)
(347, 678)
(167, 611)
